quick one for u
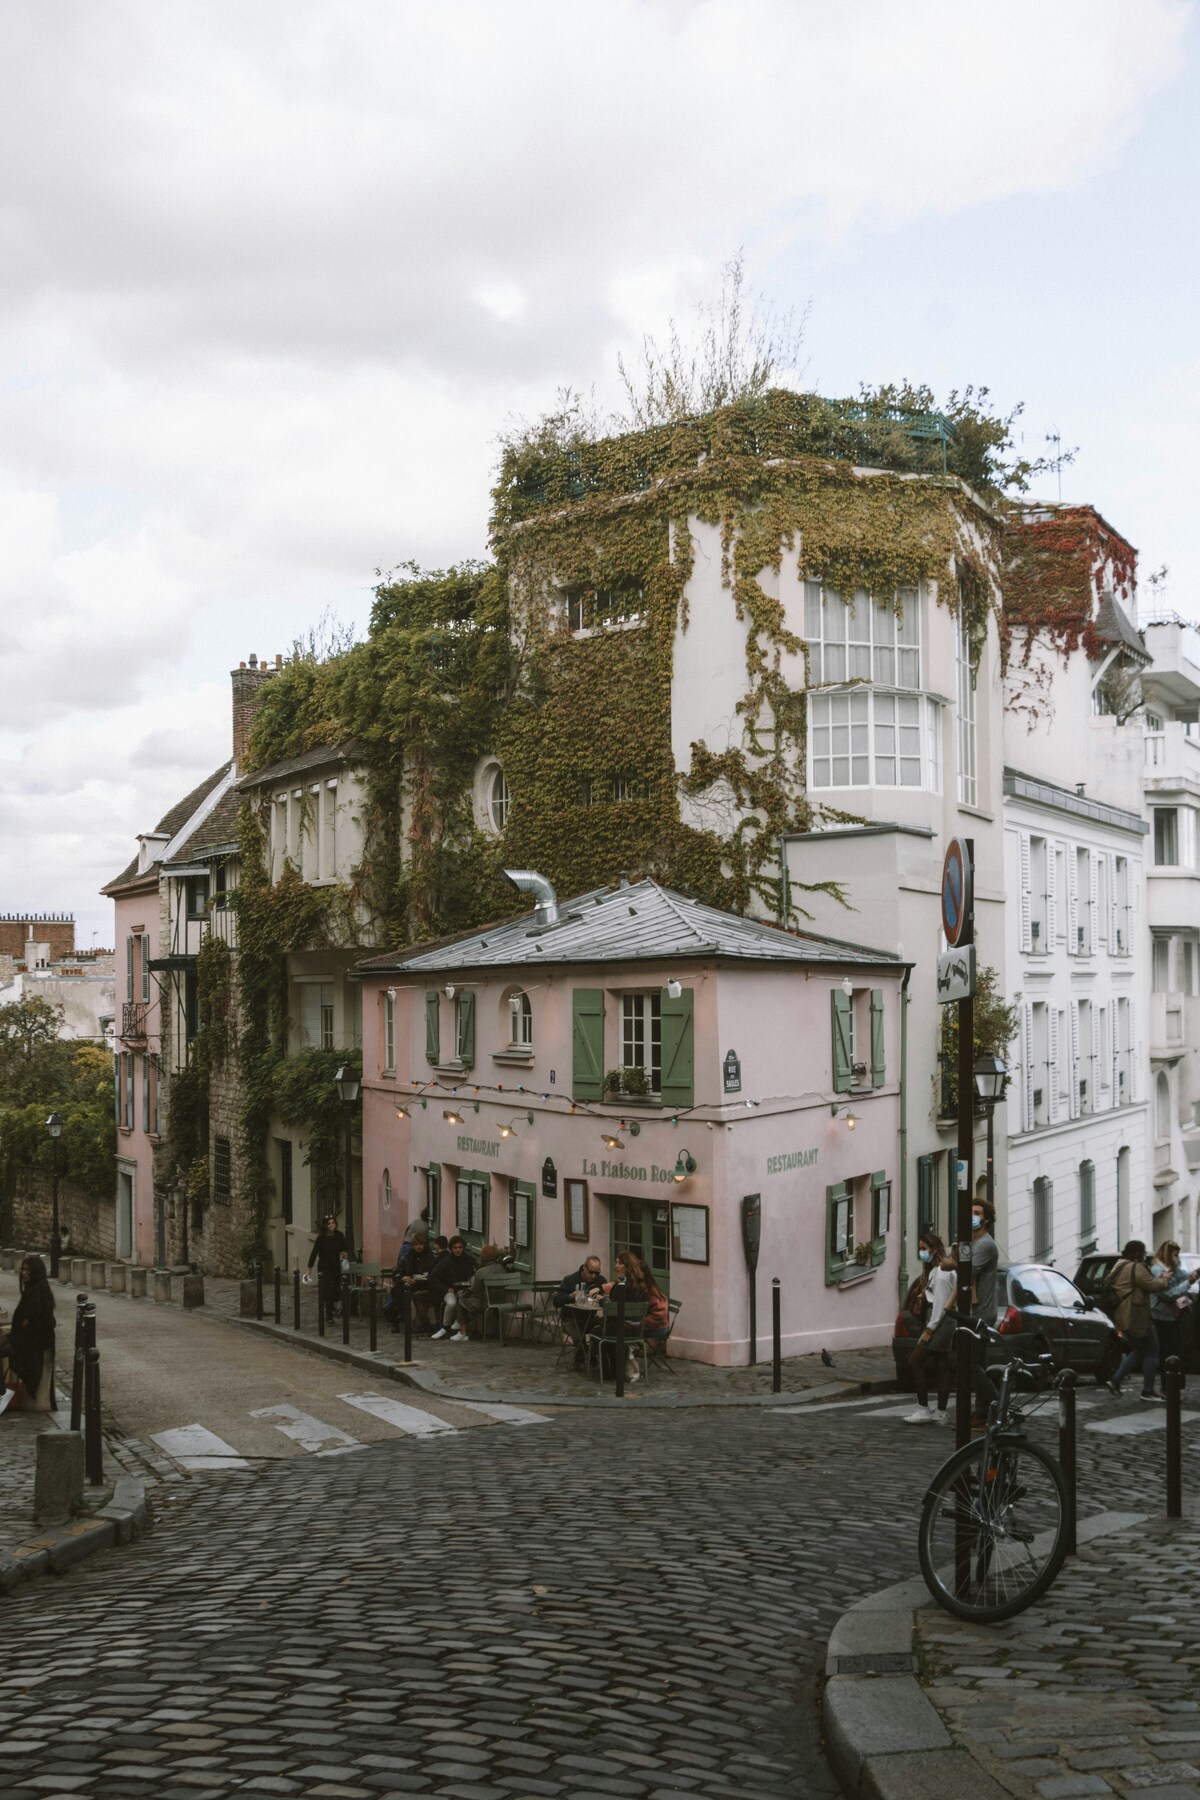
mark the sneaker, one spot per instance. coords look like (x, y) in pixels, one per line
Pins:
(1114, 1387)
(458, 1337)
(922, 1416)
(440, 1333)
(1152, 1399)
(941, 1418)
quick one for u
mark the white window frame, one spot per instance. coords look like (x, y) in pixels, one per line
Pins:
(850, 734)
(641, 1035)
(389, 1034)
(520, 1021)
(966, 663)
(863, 638)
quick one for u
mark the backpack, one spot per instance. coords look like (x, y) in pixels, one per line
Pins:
(1110, 1296)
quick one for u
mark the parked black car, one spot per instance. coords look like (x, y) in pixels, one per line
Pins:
(1094, 1271)
(1040, 1310)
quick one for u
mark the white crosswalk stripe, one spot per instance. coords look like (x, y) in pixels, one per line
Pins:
(411, 1419)
(196, 1448)
(504, 1414)
(311, 1434)
(1131, 1424)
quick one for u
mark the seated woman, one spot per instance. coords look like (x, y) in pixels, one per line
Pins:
(473, 1298)
(29, 1346)
(633, 1275)
(413, 1267)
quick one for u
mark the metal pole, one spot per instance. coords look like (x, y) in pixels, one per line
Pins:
(991, 1154)
(296, 1301)
(753, 1317)
(406, 1308)
(278, 1295)
(93, 1453)
(776, 1351)
(964, 1371)
(346, 1309)
(1066, 1445)
(372, 1322)
(1173, 1386)
(55, 1233)
(349, 1186)
(258, 1291)
(78, 1365)
(619, 1386)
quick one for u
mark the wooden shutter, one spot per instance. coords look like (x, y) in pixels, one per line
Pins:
(129, 968)
(433, 1041)
(1052, 1058)
(1027, 1049)
(1112, 906)
(587, 1044)
(117, 1087)
(1133, 1085)
(878, 1057)
(465, 1047)
(1074, 1088)
(1051, 893)
(1072, 901)
(1092, 934)
(678, 1050)
(146, 969)
(1026, 894)
(843, 1073)
(835, 1260)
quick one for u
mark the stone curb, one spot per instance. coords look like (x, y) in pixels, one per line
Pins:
(886, 1739)
(430, 1383)
(60, 1547)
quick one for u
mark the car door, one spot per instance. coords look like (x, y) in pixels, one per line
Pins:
(1085, 1331)
(1041, 1313)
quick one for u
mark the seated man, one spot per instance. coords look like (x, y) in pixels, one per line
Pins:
(451, 1275)
(413, 1266)
(590, 1277)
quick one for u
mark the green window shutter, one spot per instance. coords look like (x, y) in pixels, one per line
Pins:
(587, 1044)
(678, 1050)
(835, 1260)
(433, 1045)
(879, 1227)
(878, 1061)
(842, 1071)
(926, 1194)
(466, 1030)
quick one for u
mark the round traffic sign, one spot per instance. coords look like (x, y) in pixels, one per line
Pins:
(957, 899)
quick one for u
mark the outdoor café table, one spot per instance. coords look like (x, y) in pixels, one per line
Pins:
(578, 1317)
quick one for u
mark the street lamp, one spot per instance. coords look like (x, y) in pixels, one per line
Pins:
(54, 1127)
(991, 1079)
(347, 1084)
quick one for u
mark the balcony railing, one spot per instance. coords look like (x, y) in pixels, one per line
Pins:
(133, 1021)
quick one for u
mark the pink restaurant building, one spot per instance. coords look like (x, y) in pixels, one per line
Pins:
(634, 1069)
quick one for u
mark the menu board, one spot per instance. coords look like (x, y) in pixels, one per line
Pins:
(689, 1234)
(577, 1211)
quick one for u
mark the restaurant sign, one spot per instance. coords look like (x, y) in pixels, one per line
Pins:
(549, 1179)
(478, 1146)
(791, 1159)
(621, 1171)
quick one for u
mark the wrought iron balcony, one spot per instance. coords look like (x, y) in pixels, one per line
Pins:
(133, 1021)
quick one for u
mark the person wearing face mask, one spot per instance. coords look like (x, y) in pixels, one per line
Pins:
(985, 1265)
(941, 1276)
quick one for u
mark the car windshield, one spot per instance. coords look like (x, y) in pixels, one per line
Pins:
(1062, 1292)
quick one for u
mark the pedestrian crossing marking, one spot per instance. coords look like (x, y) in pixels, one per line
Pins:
(1131, 1424)
(504, 1414)
(412, 1419)
(194, 1447)
(311, 1434)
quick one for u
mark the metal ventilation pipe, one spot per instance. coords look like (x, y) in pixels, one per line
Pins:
(545, 898)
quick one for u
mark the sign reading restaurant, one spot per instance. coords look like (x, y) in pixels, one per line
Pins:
(792, 1159)
(478, 1146)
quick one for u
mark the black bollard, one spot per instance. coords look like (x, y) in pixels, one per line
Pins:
(278, 1295)
(619, 1385)
(320, 1308)
(258, 1291)
(406, 1306)
(1066, 1448)
(373, 1323)
(346, 1311)
(78, 1364)
(93, 1453)
(776, 1343)
(1173, 1388)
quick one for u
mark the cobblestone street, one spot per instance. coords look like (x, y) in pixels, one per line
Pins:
(608, 1606)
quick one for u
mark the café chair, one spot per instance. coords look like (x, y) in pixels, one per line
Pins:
(502, 1301)
(635, 1342)
(658, 1345)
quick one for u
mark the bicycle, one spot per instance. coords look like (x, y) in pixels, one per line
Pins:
(993, 1532)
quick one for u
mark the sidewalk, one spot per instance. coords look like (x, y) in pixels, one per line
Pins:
(527, 1373)
(1095, 1690)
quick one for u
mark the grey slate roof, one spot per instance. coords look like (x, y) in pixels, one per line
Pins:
(639, 923)
(1114, 626)
(173, 820)
(321, 757)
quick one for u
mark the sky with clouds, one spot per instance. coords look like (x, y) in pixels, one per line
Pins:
(275, 273)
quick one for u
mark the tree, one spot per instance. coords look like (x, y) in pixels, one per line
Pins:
(34, 1061)
(995, 1028)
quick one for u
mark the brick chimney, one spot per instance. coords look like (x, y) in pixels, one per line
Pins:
(248, 680)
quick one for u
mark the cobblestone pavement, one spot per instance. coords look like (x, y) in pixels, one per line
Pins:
(1094, 1691)
(610, 1606)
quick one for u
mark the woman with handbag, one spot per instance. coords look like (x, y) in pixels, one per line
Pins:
(30, 1337)
(932, 1348)
(1136, 1285)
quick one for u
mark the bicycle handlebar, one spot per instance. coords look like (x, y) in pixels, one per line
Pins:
(986, 1331)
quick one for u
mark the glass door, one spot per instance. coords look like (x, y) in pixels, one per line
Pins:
(643, 1226)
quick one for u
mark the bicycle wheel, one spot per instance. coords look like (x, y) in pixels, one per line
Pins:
(989, 1549)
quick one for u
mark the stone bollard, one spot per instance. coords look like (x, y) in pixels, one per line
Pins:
(137, 1283)
(58, 1478)
(193, 1290)
(79, 1275)
(162, 1284)
(97, 1275)
(116, 1278)
(248, 1299)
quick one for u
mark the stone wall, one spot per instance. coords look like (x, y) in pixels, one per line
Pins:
(92, 1222)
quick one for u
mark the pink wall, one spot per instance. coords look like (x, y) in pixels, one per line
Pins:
(138, 913)
(788, 1148)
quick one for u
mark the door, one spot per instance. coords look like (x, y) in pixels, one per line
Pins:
(1086, 1334)
(643, 1226)
(125, 1215)
(522, 1226)
(282, 1235)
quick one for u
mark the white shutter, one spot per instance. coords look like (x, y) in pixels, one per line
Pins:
(1074, 1088)
(1072, 901)
(1026, 896)
(1051, 893)
(1133, 1084)
(1114, 1047)
(1027, 1022)
(1112, 905)
(1102, 1057)
(1052, 1064)
(1093, 925)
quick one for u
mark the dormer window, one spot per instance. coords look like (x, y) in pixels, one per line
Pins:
(520, 1022)
(600, 609)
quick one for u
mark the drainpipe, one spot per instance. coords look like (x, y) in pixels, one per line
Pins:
(546, 900)
(785, 886)
(904, 1133)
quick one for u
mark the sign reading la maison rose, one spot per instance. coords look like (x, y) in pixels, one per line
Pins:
(621, 1171)
(791, 1159)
